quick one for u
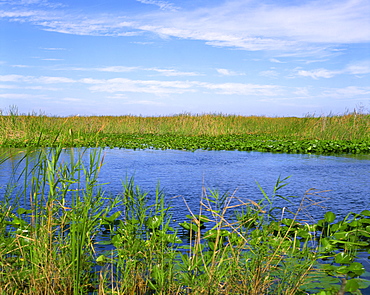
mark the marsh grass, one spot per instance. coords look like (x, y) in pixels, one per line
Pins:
(47, 244)
(41, 130)
(70, 238)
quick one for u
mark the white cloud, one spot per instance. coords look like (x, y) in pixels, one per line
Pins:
(32, 79)
(7, 86)
(43, 88)
(244, 89)
(20, 66)
(93, 25)
(347, 92)
(141, 86)
(144, 102)
(156, 87)
(318, 73)
(309, 27)
(11, 78)
(16, 14)
(255, 25)
(172, 72)
(116, 69)
(164, 5)
(21, 96)
(359, 68)
(118, 96)
(52, 80)
(276, 61)
(53, 48)
(32, 2)
(269, 74)
(124, 69)
(302, 92)
(226, 72)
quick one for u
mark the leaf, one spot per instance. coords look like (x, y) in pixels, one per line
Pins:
(289, 222)
(264, 193)
(101, 259)
(325, 242)
(105, 243)
(352, 285)
(329, 217)
(304, 234)
(365, 213)
(343, 257)
(189, 226)
(113, 217)
(154, 222)
(357, 268)
(21, 210)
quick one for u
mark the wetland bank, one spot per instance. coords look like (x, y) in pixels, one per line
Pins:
(70, 226)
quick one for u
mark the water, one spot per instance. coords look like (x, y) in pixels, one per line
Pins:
(186, 174)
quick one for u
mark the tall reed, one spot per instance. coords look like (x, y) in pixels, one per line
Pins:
(48, 242)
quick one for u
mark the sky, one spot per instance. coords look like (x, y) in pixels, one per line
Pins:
(159, 57)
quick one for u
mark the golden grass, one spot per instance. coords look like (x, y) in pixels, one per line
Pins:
(344, 127)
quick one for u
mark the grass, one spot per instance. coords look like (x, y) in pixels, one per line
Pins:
(19, 130)
(62, 233)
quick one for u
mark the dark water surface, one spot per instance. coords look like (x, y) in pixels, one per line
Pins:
(185, 173)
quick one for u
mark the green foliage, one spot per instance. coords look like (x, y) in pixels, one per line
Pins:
(347, 133)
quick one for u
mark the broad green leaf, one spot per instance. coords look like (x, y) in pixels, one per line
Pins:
(352, 285)
(357, 268)
(329, 217)
(101, 259)
(366, 212)
(343, 257)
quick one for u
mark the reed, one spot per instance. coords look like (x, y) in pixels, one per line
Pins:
(47, 238)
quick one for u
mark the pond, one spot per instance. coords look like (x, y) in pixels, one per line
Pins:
(344, 178)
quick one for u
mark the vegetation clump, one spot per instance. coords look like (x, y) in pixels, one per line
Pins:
(348, 133)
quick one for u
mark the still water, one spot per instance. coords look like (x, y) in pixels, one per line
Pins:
(185, 175)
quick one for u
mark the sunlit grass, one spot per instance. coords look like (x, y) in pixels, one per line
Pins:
(36, 130)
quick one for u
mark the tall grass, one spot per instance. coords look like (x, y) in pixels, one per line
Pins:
(47, 239)
(61, 234)
(33, 128)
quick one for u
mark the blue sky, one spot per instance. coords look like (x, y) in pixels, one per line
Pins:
(158, 57)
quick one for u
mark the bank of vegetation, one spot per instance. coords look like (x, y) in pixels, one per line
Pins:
(61, 232)
(348, 133)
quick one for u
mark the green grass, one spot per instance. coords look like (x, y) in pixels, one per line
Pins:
(348, 133)
(62, 233)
